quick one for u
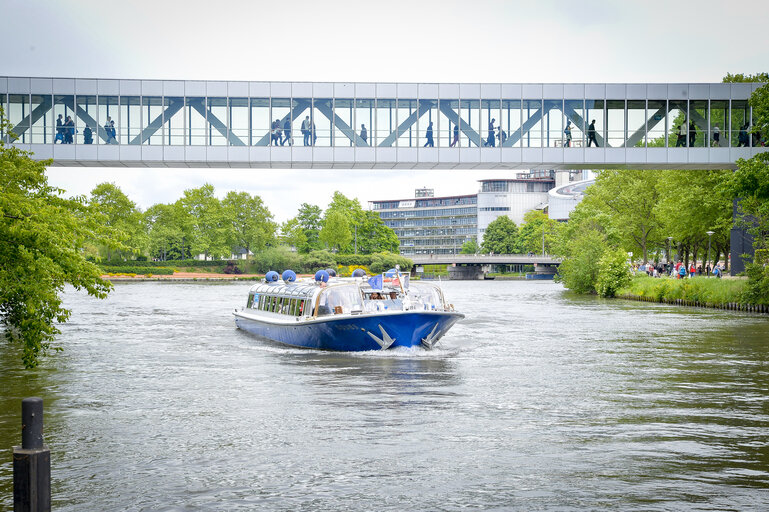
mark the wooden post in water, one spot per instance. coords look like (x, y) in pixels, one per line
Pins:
(31, 462)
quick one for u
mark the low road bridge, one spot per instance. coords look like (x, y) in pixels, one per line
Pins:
(178, 123)
(474, 266)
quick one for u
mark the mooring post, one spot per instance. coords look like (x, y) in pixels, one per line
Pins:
(31, 462)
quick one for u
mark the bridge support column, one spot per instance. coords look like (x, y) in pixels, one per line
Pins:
(465, 273)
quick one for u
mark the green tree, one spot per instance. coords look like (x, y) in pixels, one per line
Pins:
(292, 234)
(166, 235)
(205, 222)
(750, 182)
(501, 236)
(613, 272)
(470, 247)
(374, 236)
(582, 254)
(310, 218)
(336, 230)
(42, 236)
(247, 222)
(121, 214)
(629, 198)
(537, 224)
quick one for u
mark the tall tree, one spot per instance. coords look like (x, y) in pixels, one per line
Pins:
(205, 216)
(41, 240)
(248, 222)
(537, 225)
(336, 231)
(629, 198)
(121, 214)
(292, 234)
(501, 236)
(167, 238)
(374, 236)
(310, 219)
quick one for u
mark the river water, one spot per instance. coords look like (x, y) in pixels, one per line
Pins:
(539, 399)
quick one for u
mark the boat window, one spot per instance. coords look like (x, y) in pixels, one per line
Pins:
(427, 295)
(250, 301)
(340, 299)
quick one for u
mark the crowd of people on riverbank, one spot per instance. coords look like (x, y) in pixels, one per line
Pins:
(679, 270)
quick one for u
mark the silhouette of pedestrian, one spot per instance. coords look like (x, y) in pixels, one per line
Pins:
(59, 130)
(591, 134)
(692, 134)
(502, 135)
(364, 133)
(681, 131)
(287, 132)
(306, 131)
(567, 132)
(87, 135)
(716, 136)
(429, 136)
(492, 130)
(69, 131)
(456, 136)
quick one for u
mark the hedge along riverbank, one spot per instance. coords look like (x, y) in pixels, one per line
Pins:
(697, 292)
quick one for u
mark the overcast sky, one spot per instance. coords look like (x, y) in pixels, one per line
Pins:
(394, 40)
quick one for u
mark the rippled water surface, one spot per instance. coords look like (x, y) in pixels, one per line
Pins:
(538, 400)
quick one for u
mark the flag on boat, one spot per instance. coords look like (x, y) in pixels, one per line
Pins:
(376, 282)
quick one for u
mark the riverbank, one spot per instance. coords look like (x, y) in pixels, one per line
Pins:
(183, 276)
(697, 292)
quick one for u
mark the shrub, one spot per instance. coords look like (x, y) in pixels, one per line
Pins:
(757, 288)
(613, 273)
(231, 268)
(317, 260)
(579, 271)
(384, 261)
(275, 258)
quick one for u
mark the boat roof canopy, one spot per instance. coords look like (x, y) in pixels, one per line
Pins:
(292, 290)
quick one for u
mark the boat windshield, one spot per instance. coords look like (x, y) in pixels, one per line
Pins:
(340, 299)
(428, 295)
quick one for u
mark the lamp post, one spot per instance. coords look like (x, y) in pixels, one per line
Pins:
(710, 235)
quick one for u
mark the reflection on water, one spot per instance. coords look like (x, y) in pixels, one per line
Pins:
(539, 399)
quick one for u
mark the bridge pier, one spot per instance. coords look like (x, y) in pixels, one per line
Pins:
(465, 273)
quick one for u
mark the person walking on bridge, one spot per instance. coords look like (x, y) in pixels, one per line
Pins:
(681, 131)
(364, 133)
(456, 136)
(306, 131)
(692, 134)
(492, 131)
(591, 134)
(429, 136)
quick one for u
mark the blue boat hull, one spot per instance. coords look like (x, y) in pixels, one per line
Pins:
(355, 333)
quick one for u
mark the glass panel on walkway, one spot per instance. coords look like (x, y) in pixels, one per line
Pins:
(300, 121)
(343, 122)
(63, 105)
(321, 122)
(698, 132)
(196, 121)
(18, 110)
(260, 121)
(428, 123)
(510, 122)
(719, 123)
(87, 121)
(385, 122)
(594, 119)
(238, 115)
(216, 127)
(678, 124)
(407, 121)
(490, 121)
(636, 124)
(553, 124)
(470, 113)
(448, 123)
(43, 129)
(364, 120)
(174, 121)
(740, 124)
(152, 128)
(575, 113)
(532, 123)
(130, 120)
(657, 120)
(615, 123)
(109, 113)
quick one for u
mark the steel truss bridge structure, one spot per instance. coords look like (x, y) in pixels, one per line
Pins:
(173, 123)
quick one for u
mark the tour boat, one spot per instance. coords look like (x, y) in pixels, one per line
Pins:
(347, 314)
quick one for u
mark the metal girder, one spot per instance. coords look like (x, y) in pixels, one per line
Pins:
(466, 129)
(154, 126)
(214, 121)
(577, 120)
(31, 119)
(639, 134)
(424, 106)
(341, 125)
(525, 127)
(295, 112)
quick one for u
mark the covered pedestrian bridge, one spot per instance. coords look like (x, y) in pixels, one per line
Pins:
(175, 123)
